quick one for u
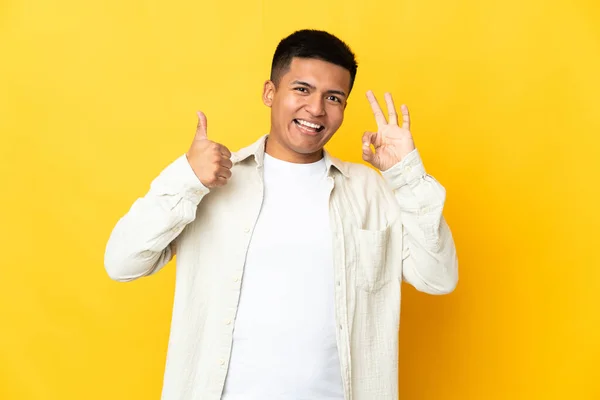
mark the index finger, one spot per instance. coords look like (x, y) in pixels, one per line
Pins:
(225, 151)
(379, 117)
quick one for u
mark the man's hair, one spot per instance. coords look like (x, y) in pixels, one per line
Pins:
(310, 43)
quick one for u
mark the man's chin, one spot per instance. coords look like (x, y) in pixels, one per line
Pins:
(307, 148)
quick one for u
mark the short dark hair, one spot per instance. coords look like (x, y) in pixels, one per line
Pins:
(311, 43)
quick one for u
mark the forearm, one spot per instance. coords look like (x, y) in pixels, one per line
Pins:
(429, 252)
(139, 244)
(431, 269)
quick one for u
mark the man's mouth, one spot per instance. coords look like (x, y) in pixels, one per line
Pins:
(308, 126)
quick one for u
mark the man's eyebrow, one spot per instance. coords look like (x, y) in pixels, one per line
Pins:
(308, 85)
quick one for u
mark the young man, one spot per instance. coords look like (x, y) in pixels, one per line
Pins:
(289, 261)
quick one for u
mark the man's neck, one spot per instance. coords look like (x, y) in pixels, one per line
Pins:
(277, 150)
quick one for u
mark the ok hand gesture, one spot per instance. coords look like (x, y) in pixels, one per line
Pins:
(392, 142)
(211, 161)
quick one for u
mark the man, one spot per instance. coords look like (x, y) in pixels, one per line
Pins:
(289, 261)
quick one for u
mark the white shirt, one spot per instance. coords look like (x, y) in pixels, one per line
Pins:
(384, 229)
(284, 344)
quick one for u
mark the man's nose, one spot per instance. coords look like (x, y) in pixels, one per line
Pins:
(316, 105)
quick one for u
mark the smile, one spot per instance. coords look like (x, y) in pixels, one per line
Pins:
(308, 126)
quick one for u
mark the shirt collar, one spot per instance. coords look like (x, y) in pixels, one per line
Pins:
(257, 149)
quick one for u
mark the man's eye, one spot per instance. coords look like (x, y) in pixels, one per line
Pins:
(301, 89)
(334, 98)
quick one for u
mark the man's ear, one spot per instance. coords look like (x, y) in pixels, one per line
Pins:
(268, 93)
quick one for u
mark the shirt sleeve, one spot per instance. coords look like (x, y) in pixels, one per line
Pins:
(139, 244)
(429, 257)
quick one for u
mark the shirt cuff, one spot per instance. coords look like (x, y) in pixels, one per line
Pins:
(407, 171)
(179, 179)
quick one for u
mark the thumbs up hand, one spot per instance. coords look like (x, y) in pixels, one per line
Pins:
(210, 161)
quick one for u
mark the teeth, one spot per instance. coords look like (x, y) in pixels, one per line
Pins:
(309, 124)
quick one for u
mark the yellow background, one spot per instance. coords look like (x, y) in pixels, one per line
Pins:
(97, 97)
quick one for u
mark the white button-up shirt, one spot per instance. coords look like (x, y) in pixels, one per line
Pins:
(385, 228)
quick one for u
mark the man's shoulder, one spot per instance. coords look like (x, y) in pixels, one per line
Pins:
(361, 177)
(357, 171)
(247, 150)
(366, 184)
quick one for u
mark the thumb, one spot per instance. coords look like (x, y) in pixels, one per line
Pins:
(201, 130)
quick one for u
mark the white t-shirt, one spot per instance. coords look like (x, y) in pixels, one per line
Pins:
(284, 341)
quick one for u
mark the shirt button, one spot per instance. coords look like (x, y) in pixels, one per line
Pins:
(236, 279)
(247, 230)
(228, 322)
(222, 362)
(340, 327)
(339, 283)
(408, 168)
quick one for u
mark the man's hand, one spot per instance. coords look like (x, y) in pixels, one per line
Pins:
(210, 161)
(391, 142)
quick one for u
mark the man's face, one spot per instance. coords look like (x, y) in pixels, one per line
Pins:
(307, 108)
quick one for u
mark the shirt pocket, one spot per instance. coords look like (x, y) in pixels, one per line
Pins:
(372, 272)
